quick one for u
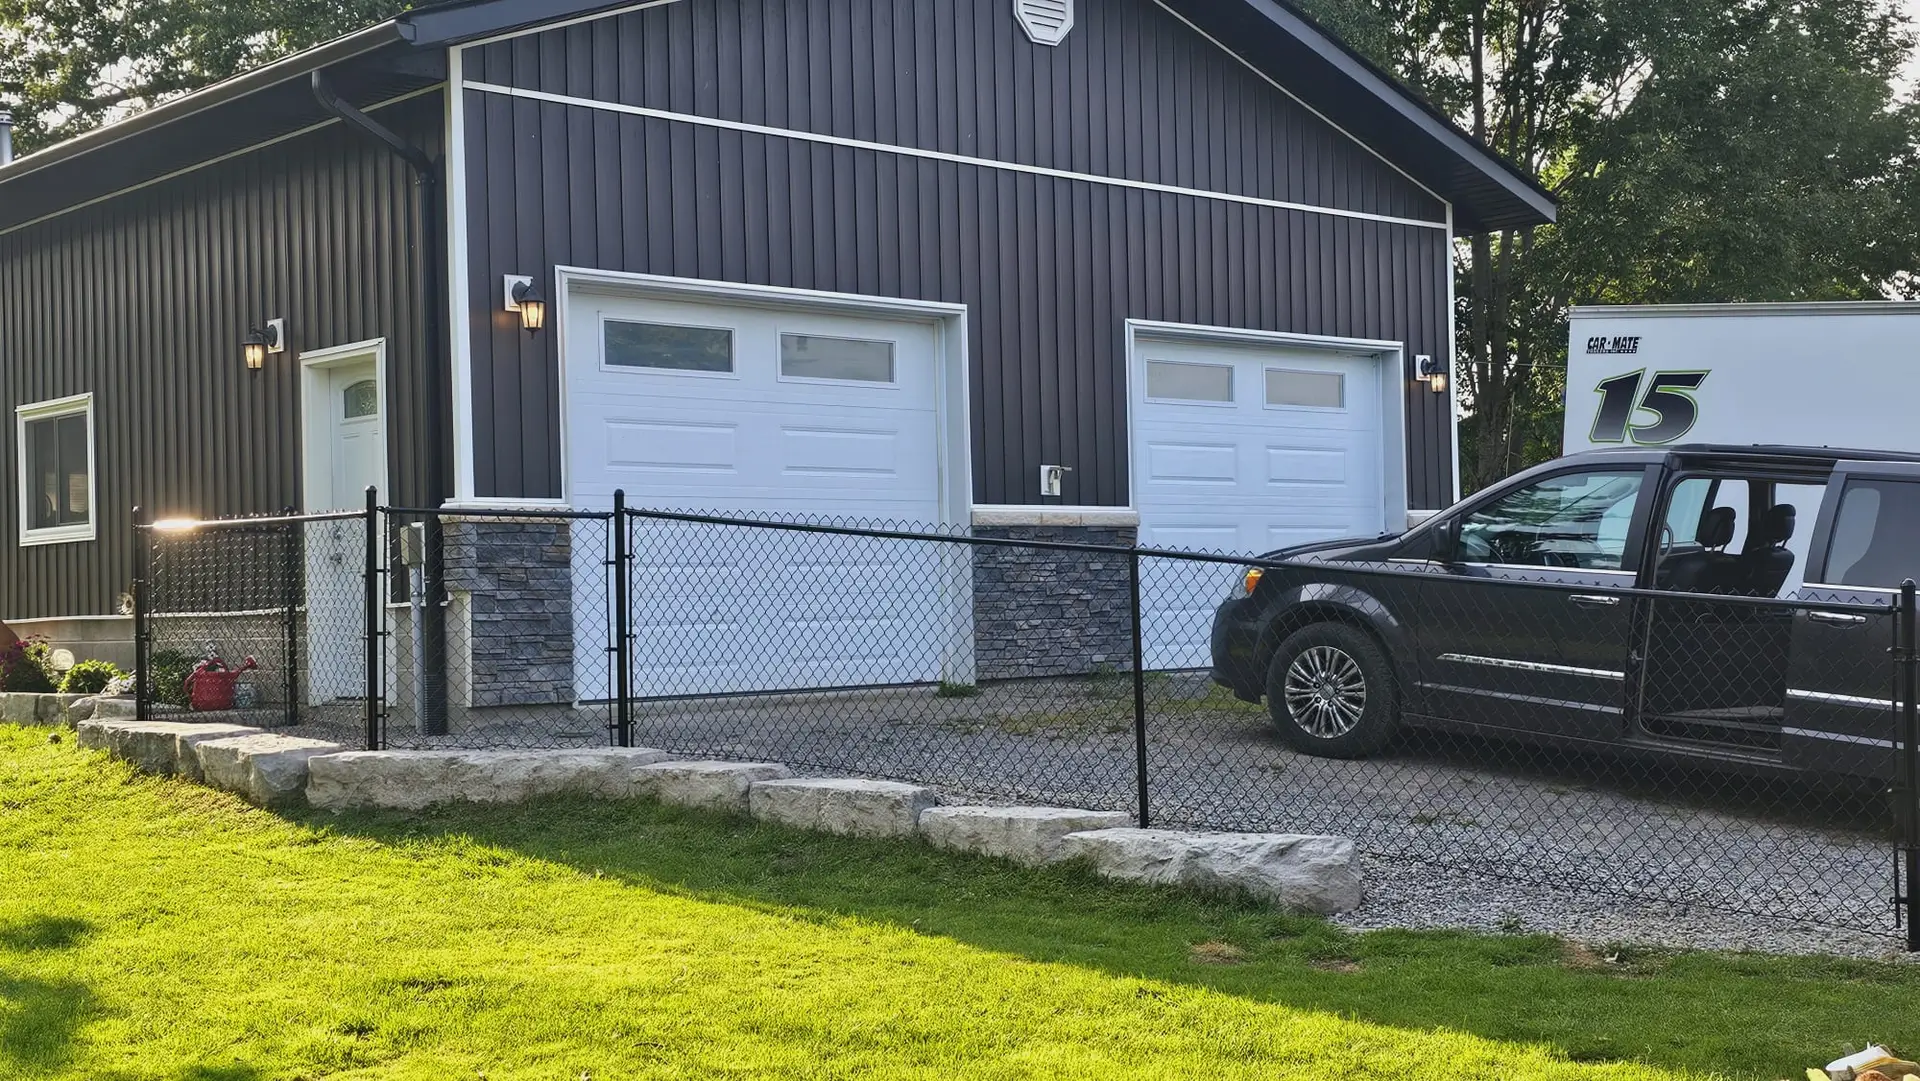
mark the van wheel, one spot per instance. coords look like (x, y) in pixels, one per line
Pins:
(1331, 692)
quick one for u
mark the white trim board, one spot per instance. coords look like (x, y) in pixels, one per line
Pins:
(53, 408)
(459, 332)
(950, 323)
(1390, 356)
(938, 155)
(199, 165)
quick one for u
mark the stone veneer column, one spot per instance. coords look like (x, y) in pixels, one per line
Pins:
(1044, 612)
(511, 580)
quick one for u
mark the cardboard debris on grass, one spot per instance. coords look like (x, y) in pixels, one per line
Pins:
(1876, 1063)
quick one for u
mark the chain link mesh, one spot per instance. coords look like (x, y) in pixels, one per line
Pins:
(1705, 750)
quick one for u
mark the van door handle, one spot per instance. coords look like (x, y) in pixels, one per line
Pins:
(1838, 619)
(1594, 600)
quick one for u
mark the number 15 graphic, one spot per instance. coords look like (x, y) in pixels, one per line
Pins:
(1667, 397)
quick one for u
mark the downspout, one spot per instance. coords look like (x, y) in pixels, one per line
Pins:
(433, 302)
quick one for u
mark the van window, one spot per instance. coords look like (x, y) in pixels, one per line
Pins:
(1690, 498)
(1576, 520)
(1874, 534)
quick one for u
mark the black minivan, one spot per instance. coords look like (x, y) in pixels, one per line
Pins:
(1725, 604)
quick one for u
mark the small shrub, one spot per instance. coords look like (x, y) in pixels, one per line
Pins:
(26, 668)
(167, 672)
(89, 677)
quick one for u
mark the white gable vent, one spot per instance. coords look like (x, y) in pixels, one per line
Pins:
(1045, 21)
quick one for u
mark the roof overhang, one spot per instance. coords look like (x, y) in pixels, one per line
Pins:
(1487, 192)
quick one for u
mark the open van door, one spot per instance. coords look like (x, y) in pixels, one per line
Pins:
(1840, 714)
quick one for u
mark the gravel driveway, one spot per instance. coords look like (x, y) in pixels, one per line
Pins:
(1454, 832)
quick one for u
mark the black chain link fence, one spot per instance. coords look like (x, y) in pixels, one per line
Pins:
(1733, 752)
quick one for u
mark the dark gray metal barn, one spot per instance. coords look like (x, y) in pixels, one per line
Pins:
(1179, 267)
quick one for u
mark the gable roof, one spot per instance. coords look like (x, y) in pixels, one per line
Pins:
(407, 54)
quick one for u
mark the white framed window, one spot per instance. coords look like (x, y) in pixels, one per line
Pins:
(667, 347)
(822, 358)
(1189, 382)
(1292, 388)
(57, 490)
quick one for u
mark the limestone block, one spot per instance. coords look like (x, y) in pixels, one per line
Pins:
(708, 786)
(1026, 835)
(266, 769)
(410, 780)
(856, 808)
(1305, 872)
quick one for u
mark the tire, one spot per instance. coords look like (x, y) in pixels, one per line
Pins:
(1331, 692)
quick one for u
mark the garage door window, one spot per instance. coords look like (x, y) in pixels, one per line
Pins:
(845, 360)
(1180, 381)
(667, 347)
(1307, 390)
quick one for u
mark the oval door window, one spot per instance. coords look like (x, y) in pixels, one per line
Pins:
(362, 399)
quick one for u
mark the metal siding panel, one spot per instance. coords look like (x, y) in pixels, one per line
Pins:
(143, 299)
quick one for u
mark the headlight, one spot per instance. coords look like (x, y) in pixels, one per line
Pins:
(1253, 576)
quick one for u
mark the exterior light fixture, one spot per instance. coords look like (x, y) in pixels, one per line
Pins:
(258, 343)
(1434, 373)
(524, 297)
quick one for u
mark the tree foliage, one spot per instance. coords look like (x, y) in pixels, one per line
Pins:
(1743, 151)
(70, 65)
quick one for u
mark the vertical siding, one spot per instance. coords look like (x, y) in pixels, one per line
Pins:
(1050, 268)
(961, 77)
(143, 300)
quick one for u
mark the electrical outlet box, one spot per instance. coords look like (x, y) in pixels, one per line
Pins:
(1053, 478)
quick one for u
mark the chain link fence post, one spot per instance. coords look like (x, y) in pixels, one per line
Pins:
(373, 611)
(1139, 685)
(290, 587)
(142, 568)
(622, 623)
(1906, 653)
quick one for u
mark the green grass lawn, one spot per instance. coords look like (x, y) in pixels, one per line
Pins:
(153, 929)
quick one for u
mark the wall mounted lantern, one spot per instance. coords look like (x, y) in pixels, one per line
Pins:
(524, 297)
(1433, 372)
(258, 343)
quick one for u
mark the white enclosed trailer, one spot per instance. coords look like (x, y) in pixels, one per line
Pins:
(1842, 374)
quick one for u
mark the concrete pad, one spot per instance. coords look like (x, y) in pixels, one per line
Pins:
(410, 780)
(708, 786)
(1026, 835)
(266, 769)
(1305, 872)
(855, 808)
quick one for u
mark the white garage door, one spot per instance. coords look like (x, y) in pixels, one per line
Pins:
(728, 409)
(1244, 450)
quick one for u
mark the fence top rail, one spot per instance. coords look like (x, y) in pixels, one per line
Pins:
(192, 525)
(532, 514)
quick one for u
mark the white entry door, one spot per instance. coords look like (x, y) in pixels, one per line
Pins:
(802, 414)
(345, 446)
(1242, 450)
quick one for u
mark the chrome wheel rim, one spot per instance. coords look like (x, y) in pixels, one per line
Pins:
(1326, 692)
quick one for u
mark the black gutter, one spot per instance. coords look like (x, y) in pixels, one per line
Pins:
(429, 182)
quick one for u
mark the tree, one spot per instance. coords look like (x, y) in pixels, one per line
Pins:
(1752, 150)
(70, 65)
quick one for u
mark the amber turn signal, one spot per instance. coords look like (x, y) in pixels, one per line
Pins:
(1252, 579)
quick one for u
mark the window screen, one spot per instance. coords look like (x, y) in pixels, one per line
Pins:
(58, 484)
(1183, 381)
(811, 356)
(669, 347)
(1874, 534)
